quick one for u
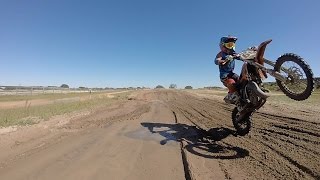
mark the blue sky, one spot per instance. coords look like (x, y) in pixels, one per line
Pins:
(122, 43)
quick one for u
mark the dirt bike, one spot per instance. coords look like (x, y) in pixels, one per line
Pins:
(293, 76)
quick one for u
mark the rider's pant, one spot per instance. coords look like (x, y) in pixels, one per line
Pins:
(230, 81)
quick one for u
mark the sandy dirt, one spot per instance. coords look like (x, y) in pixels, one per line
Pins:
(165, 134)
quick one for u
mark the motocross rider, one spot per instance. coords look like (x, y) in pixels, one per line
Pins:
(225, 60)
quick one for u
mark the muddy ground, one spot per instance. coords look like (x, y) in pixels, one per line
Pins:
(165, 134)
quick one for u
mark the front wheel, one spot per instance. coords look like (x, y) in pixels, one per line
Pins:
(299, 82)
(242, 125)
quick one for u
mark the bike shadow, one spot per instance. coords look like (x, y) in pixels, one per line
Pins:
(204, 143)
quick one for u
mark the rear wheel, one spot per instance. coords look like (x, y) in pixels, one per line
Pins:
(299, 82)
(242, 125)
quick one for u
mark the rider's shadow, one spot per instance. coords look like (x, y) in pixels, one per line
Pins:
(198, 141)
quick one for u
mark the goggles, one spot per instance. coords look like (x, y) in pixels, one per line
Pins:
(229, 45)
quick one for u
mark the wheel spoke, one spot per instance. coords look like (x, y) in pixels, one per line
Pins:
(296, 77)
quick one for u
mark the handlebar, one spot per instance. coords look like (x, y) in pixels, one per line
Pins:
(232, 57)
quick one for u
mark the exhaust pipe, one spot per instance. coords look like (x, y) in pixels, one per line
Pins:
(254, 86)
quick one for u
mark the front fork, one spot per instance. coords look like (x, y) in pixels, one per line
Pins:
(272, 72)
(276, 75)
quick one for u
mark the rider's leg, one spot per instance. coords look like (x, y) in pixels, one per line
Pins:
(233, 76)
(229, 83)
(236, 78)
(232, 96)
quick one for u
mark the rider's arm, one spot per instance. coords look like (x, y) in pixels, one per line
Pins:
(219, 59)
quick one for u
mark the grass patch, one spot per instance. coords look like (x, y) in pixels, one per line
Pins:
(49, 96)
(313, 100)
(31, 115)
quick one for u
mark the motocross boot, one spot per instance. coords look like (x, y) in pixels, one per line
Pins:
(232, 98)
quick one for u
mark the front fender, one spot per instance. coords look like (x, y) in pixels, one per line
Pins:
(260, 57)
(260, 52)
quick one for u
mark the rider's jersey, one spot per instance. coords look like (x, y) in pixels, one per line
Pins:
(224, 69)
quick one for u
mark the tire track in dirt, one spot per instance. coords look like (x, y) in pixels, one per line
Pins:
(296, 122)
(292, 161)
(293, 138)
(185, 163)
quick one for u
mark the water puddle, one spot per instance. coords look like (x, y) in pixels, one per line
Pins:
(162, 135)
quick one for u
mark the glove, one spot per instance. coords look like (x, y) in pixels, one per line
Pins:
(236, 56)
(229, 58)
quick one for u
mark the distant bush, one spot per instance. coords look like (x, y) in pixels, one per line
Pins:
(64, 86)
(173, 86)
(159, 87)
(188, 87)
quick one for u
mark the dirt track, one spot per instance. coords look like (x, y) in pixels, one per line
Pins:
(165, 135)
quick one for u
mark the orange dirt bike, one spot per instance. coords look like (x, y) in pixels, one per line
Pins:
(293, 76)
